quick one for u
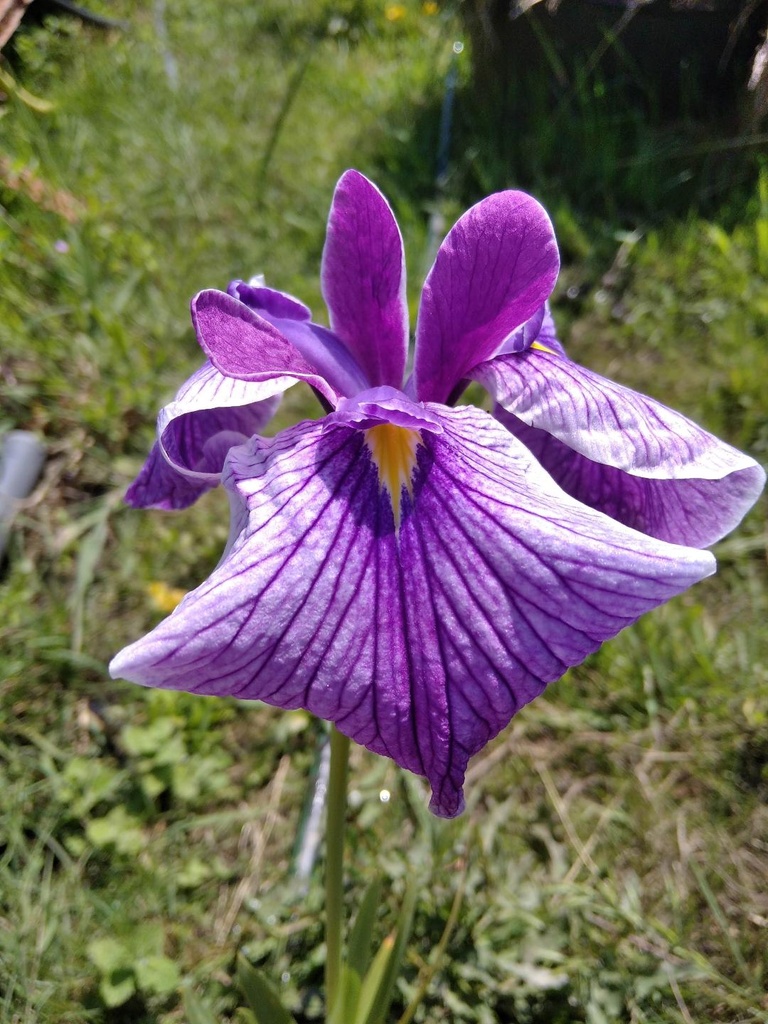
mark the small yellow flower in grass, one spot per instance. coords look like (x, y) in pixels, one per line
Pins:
(394, 12)
(429, 8)
(164, 598)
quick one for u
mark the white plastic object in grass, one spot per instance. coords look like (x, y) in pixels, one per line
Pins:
(21, 464)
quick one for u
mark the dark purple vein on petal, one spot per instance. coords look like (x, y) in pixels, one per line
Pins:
(354, 535)
(487, 615)
(438, 639)
(514, 600)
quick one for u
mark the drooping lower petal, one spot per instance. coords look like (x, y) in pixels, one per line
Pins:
(494, 270)
(422, 641)
(363, 280)
(635, 459)
(209, 415)
(681, 511)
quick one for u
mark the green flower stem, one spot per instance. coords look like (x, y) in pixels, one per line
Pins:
(334, 863)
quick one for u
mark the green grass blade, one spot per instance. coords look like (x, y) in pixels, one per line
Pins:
(262, 998)
(359, 950)
(722, 922)
(88, 558)
(379, 998)
(437, 954)
(374, 979)
(348, 998)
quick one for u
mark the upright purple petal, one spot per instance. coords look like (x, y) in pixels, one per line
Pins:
(363, 280)
(495, 269)
(639, 461)
(422, 641)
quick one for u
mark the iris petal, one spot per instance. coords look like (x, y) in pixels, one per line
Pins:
(209, 414)
(494, 270)
(680, 511)
(421, 644)
(242, 344)
(363, 279)
(705, 485)
(319, 346)
(160, 485)
(547, 336)
(269, 302)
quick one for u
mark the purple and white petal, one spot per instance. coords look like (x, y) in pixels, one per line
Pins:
(363, 280)
(711, 484)
(209, 415)
(160, 485)
(680, 511)
(242, 344)
(494, 270)
(422, 641)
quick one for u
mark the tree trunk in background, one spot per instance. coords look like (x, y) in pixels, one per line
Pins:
(11, 13)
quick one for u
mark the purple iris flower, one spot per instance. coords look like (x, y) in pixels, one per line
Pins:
(412, 570)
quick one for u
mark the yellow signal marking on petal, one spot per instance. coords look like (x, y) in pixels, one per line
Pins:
(393, 450)
(543, 348)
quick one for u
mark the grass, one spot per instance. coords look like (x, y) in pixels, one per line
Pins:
(611, 863)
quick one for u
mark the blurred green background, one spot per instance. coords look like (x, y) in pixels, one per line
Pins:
(613, 859)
